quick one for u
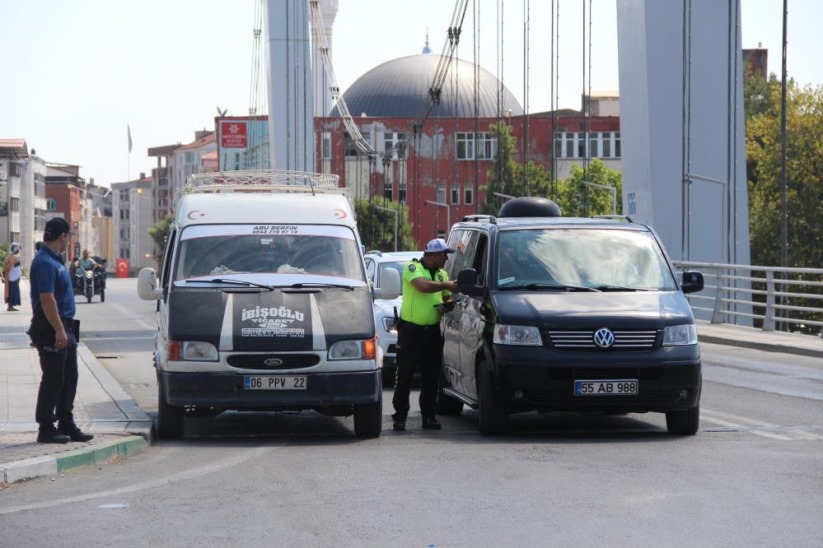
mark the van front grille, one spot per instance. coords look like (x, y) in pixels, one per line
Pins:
(272, 362)
(624, 340)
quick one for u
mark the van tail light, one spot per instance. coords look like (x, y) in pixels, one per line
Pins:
(173, 351)
(370, 349)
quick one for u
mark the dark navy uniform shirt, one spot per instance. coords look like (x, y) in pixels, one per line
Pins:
(49, 275)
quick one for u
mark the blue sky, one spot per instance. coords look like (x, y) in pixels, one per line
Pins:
(76, 72)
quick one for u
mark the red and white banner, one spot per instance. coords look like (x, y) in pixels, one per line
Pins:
(233, 134)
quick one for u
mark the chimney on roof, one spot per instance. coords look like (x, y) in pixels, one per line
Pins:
(200, 134)
(142, 175)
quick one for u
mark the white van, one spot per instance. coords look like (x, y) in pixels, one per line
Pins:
(264, 302)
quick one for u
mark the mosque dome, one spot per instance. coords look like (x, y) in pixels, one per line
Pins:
(400, 89)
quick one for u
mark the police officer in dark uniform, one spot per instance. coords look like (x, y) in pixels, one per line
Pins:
(426, 287)
(54, 333)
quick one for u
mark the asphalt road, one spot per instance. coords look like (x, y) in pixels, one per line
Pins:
(752, 475)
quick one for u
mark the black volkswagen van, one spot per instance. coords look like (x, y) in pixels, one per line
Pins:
(568, 314)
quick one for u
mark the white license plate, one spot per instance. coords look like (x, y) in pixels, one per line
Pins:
(274, 382)
(616, 387)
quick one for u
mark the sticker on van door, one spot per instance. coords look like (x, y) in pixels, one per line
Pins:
(263, 321)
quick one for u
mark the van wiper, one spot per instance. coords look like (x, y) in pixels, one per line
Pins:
(620, 288)
(559, 287)
(320, 284)
(230, 281)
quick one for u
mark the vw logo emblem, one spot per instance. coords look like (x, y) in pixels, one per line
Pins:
(273, 362)
(603, 338)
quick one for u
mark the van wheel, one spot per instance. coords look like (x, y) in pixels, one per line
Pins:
(169, 417)
(683, 423)
(447, 405)
(368, 418)
(493, 417)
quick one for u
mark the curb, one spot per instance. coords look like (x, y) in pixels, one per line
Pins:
(766, 347)
(101, 453)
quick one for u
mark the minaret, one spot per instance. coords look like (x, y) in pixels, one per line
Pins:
(322, 92)
(426, 48)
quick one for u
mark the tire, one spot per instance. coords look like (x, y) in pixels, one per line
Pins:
(493, 416)
(169, 417)
(447, 405)
(683, 423)
(89, 293)
(102, 295)
(368, 418)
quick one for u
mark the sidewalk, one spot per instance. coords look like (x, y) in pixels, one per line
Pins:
(102, 408)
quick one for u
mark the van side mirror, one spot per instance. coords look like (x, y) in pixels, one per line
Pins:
(147, 285)
(389, 285)
(467, 283)
(692, 281)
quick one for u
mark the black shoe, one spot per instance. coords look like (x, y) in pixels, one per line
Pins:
(51, 436)
(399, 425)
(431, 423)
(74, 433)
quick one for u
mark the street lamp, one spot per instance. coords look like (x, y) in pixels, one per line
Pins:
(396, 216)
(611, 189)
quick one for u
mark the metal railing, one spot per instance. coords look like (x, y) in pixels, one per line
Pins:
(772, 298)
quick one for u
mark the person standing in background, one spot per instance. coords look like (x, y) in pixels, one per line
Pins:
(12, 271)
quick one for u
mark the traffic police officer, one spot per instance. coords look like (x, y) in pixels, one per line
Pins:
(54, 332)
(426, 286)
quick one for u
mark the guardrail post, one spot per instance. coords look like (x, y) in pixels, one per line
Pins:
(768, 320)
(717, 317)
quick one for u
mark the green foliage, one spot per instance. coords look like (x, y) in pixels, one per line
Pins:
(4, 253)
(376, 226)
(804, 176)
(577, 199)
(509, 177)
(158, 233)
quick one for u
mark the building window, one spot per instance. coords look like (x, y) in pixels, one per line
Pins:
(401, 192)
(468, 196)
(607, 144)
(483, 146)
(594, 140)
(455, 193)
(51, 204)
(388, 186)
(351, 148)
(441, 193)
(395, 145)
(325, 146)
(617, 144)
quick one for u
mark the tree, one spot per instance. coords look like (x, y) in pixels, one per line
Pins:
(509, 177)
(577, 199)
(376, 226)
(804, 169)
(158, 233)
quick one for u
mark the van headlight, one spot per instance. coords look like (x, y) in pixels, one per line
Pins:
(354, 350)
(197, 351)
(389, 324)
(680, 335)
(524, 335)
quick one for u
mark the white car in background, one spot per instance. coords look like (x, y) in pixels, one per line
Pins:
(387, 310)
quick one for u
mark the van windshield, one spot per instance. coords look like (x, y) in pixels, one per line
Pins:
(605, 259)
(220, 250)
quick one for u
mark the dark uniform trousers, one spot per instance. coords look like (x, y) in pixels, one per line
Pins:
(420, 347)
(55, 398)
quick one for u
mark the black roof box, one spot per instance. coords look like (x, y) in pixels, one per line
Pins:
(530, 206)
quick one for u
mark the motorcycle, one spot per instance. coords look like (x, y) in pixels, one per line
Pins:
(90, 282)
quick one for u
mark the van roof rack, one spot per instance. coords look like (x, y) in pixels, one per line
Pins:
(480, 218)
(624, 218)
(272, 180)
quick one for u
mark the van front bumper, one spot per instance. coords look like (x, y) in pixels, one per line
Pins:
(227, 390)
(668, 379)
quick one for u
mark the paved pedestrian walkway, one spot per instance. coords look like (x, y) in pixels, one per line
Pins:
(102, 408)
(121, 428)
